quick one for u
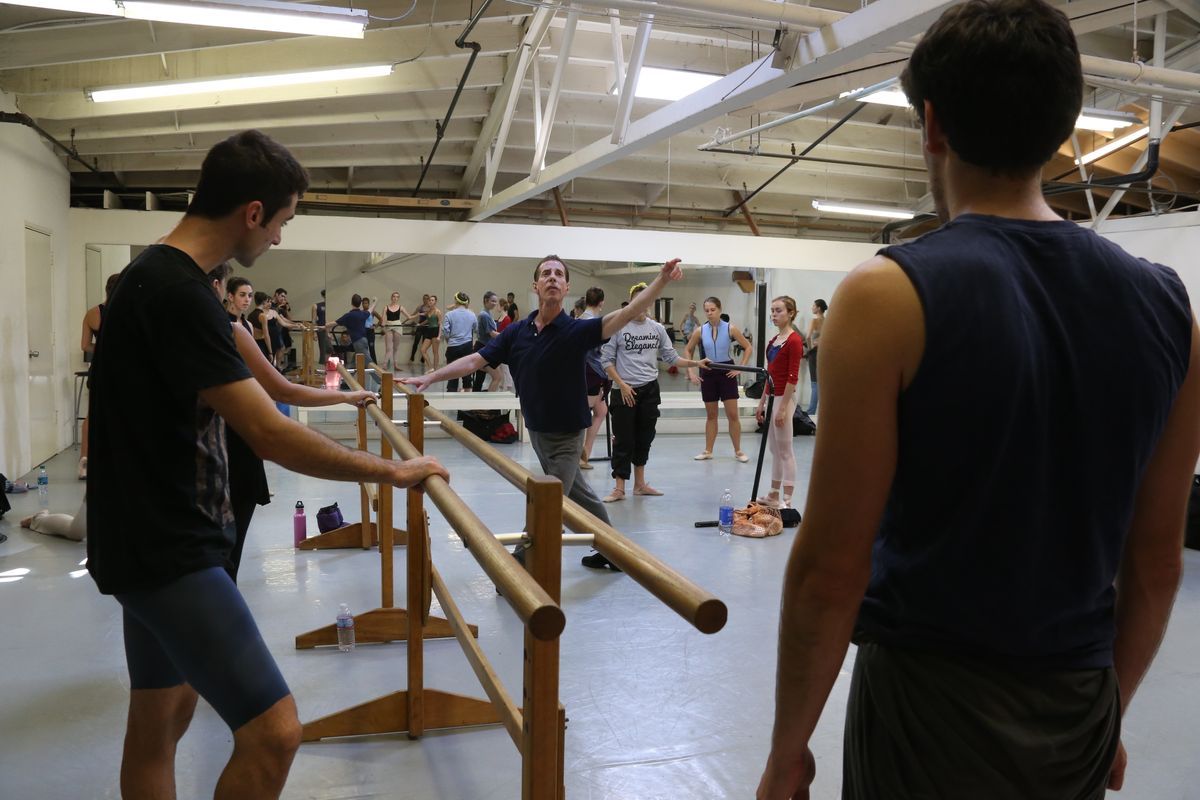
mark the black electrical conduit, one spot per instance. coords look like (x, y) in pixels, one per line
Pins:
(1052, 189)
(462, 44)
(857, 107)
(18, 118)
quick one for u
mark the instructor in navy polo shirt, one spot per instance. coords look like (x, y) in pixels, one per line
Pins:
(546, 352)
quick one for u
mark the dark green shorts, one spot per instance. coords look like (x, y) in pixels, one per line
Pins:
(921, 726)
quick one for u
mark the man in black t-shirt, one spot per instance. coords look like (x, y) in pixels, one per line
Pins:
(160, 427)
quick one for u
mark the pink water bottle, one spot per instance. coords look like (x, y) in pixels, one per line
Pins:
(332, 379)
(299, 524)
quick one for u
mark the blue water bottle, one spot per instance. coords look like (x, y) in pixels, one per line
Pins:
(725, 514)
(43, 489)
(345, 629)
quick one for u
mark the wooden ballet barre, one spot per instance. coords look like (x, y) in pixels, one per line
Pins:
(568, 539)
(510, 715)
(704, 611)
(532, 605)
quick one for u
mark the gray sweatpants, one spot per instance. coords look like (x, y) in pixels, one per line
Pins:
(945, 728)
(559, 454)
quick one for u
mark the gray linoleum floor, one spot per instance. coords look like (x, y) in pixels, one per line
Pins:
(657, 710)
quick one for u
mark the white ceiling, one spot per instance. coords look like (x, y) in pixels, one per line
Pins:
(372, 137)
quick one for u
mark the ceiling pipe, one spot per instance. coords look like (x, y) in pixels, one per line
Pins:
(756, 14)
(18, 118)
(1139, 73)
(825, 135)
(808, 112)
(461, 43)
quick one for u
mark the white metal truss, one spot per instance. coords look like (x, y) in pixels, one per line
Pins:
(817, 54)
(629, 86)
(499, 118)
(560, 68)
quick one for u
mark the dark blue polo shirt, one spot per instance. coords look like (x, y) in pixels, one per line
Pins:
(548, 369)
(355, 323)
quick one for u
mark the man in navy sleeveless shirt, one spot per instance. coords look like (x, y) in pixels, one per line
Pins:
(996, 525)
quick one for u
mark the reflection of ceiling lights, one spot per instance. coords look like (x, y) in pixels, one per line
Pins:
(13, 575)
(178, 88)
(1114, 145)
(257, 15)
(669, 84)
(856, 210)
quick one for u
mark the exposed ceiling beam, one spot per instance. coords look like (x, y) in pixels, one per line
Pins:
(1190, 8)
(506, 97)
(817, 54)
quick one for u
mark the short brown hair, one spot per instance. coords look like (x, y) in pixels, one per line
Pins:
(537, 270)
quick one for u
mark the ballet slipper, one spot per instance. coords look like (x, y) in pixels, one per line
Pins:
(584, 464)
(614, 496)
(742, 457)
(28, 521)
(705, 456)
(647, 491)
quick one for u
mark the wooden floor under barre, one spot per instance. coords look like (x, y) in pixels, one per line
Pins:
(657, 710)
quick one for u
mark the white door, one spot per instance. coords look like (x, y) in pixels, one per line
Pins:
(43, 414)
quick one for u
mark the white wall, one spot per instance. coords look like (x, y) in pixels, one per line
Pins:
(1172, 240)
(37, 195)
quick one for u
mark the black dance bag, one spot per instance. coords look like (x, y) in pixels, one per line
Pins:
(802, 424)
(484, 423)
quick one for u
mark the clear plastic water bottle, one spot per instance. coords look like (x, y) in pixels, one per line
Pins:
(299, 525)
(725, 514)
(43, 489)
(345, 629)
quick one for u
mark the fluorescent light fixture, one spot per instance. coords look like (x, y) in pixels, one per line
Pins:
(258, 15)
(884, 97)
(883, 212)
(1115, 144)
(1095, 119)
(669, 84)
(106, 7)
(179, 88)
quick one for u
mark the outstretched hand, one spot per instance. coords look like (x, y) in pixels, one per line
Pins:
(671, 271)
(418, 382)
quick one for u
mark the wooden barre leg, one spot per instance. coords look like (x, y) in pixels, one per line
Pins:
(379, 625)
(389, 714)
(350, 537)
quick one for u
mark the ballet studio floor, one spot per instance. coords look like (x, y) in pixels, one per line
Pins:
(656, 709)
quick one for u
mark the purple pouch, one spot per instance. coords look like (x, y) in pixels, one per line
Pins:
(329, 518)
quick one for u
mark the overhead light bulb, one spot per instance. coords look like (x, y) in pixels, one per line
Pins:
(853, 209)
(180, 88)
(1113, 146)
(1095, 119)
(258, 15)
